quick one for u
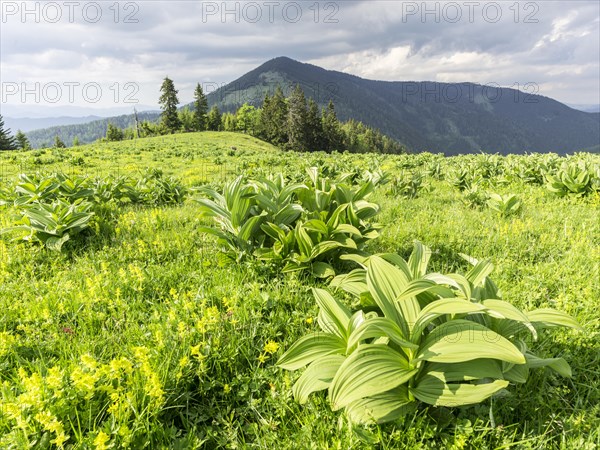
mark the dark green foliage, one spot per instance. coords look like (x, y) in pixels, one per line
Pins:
(7, 142)
(314, 128)
(297, 121)
(200, 109)
(168, 101)
(58, 143)
(214, 119)
(88, 132)
(332, 131)
(114, 133)
(295, 226)
(22, 141)
(53, 209)
(273, 119)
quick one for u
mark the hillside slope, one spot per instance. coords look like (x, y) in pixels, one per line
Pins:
(440, 117)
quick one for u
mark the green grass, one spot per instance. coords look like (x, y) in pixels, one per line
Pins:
(140, 334)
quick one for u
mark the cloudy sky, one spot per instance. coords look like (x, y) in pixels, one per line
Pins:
(114, 55)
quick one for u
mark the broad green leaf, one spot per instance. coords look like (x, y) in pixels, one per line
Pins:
(476, 369)
(355, 282)
(305, 244)
(334, 316)
(441, 307)
(508, 311)
(399, 263)
(479, 272)
(518, 373)
(318, 226)
(434, 391)
(547, 318)
(348, 229)
(557, 364)
(55, 243)
(385, 407)
(419, 259)
(317, 377)
(386, 283)
(322, 270)
(463, 283)
(380, 327)
(323, 247)
(370, 370)
(464, 340)
(310, 348)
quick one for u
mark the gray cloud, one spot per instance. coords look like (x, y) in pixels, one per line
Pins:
(554, 44)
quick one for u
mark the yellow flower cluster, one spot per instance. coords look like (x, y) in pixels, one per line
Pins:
(269, 349)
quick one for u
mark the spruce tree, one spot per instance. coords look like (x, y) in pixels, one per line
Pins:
(114, 133)
(169, 101)
(22, 141)
(333, 134)
(273, 123)
(214, 119)
(296, 123)
(7, 142)
(314, 127)
(200, 109)
(58, 143)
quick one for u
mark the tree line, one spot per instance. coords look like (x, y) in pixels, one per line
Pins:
(291, 123)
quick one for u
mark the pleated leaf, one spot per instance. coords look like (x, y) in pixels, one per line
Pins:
(434, 391)
(310, 348)
(317, 377)
(464, 340)
(547, 318)
(333, 317)
(559, 365)
(385, 407)
(370, 370)
(380, 327)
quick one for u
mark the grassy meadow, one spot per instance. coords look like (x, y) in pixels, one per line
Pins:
(138, 336)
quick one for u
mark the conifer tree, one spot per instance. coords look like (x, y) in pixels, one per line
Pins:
(22, 141)
(274, 118)
(314, 127)
(296, 123)
(7, 142)
(169, 101)
(214, 119)
(333, 134)
(58, 143)
(200, 109)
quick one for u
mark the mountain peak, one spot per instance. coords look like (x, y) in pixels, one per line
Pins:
(427, 116)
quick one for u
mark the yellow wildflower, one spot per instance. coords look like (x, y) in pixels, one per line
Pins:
(101, 440)
(271, 347)
(226, 389)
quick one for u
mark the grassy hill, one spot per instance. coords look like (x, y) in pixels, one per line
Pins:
(175, 154)
(137, 336)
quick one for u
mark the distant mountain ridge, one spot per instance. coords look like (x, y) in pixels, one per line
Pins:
(26, 124)
(429, 116)
(450, 118)
(86, 132)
